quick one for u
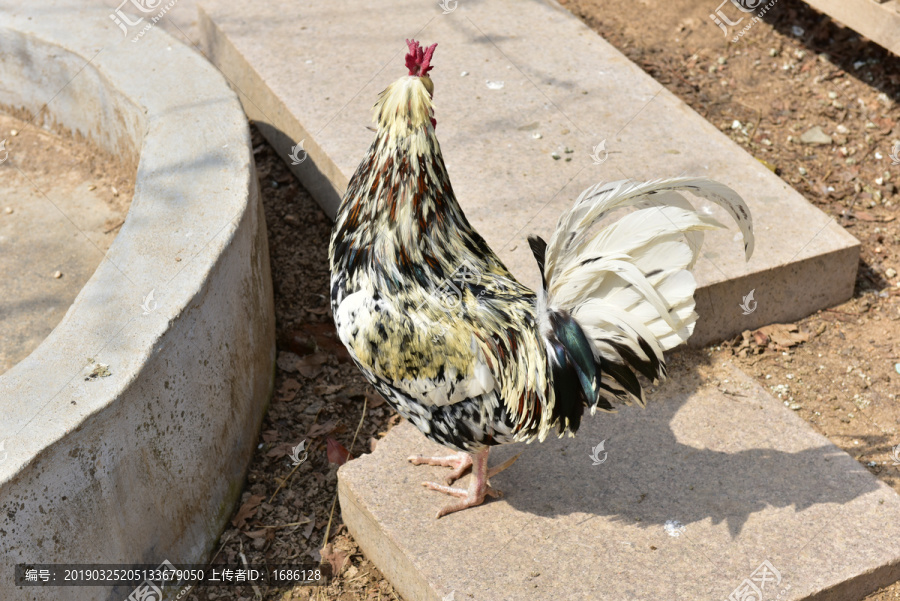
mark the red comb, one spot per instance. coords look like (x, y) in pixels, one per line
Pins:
(418, 60)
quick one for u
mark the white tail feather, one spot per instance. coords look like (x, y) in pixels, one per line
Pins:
(628, 284)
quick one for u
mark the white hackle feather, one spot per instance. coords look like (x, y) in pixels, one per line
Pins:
(628, 283)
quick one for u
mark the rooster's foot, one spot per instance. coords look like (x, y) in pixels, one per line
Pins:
(459, 462)
(471, 497)
(478, 488)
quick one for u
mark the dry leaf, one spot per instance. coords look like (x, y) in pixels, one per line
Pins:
(247, 511)
(281, 450)
(337, 453)
(374, 399)
(298, 342)
(310, 366)
(287, 361)
(760, 338)
(326, 339)
(337, 559)
(784, 336)
(257, 533)
(270, 435)
(310, 526)
(325, 389)
(320, 429)
(288, 390)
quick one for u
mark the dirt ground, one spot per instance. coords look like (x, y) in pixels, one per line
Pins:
(838, 368)
(62, 202)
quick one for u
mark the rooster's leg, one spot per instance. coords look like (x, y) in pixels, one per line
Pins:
(459, 462)
(478, 486)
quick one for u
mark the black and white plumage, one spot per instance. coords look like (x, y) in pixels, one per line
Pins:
(456, 345)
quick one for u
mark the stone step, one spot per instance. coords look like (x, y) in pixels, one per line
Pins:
(310, 73)
(713, 488)
(878, 20)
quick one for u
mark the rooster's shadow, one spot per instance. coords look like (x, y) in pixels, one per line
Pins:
(644, 475)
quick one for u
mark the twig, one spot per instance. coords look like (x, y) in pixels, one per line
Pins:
(283, 482)
(497, 469)
(349, 451)
(247, 567)
(221, 546)
(115, 227)
(288, 525)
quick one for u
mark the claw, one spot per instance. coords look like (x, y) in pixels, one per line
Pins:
(478, 489)
(460, 462)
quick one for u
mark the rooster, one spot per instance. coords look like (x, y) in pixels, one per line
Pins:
(456, 345)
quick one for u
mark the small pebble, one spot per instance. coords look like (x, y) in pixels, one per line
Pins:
(464, 73)
(114, 191)
(14, 132)
(555, 155)
(494, 85)
(57, 274)
(832, 95)
(802, 170)
(736, 124)
(842, 129)
(8, 210)
(91, 188)
(537, 135)
(797, 30)
(890, 272)
(773, 52)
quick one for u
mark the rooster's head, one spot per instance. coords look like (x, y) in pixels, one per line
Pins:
(406, 105)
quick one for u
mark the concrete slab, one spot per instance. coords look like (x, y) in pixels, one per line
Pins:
(691, 497)
(878, 20)
(311, 72)
(157, 378)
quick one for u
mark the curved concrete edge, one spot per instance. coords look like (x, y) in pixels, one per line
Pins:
(144, 464)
